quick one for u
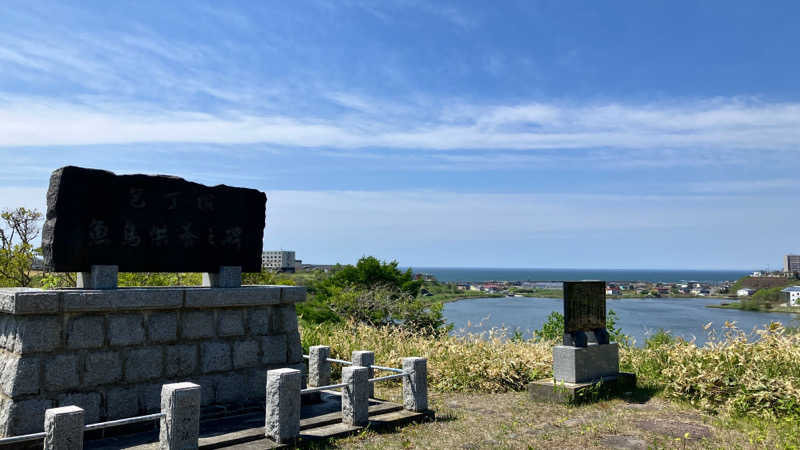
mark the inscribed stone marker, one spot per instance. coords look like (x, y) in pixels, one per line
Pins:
(146, 223)
(584, 311)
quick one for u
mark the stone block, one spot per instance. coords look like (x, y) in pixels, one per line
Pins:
(293, 294)
(85, 332)
(181, 360)
(231, 322)
(143, 364)
(256, 383)
(282, 422)
(149, 397)
(227, 297)
(208, 390)
(28, 301)
(245, 354)
(365, 358)
(273, 349)
(19, 375)
(64, 428)
(124, 299)
(319, 368)
(61, 372)
(579, 364)
(197, 324)
(550, 391)
(180, 426)
(355, 396)
(121, 403)
(294, 348)
(230, 388)
(225, 277)
(35, 334)
(259, 320)
(98, 277)
(103, 367)
(162, 327)
(215, 357)
(284, 319)
(125, 329)
(415, 386)
(25, 417)
(89, 402)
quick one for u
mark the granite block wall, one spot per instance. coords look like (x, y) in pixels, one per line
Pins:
(109, 352)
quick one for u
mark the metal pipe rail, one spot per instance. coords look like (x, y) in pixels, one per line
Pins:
(389, 377)
(342, 361)
(119, 422)
(90, 427)
(322, 388)
(22, 438)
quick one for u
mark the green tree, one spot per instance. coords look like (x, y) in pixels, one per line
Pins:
(18, 229)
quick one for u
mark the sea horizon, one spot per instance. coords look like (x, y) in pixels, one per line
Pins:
(479, 274)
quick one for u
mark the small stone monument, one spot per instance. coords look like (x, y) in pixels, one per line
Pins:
(586, 359)
(109, 350)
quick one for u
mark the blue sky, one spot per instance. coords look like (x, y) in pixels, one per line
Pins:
(620, 134)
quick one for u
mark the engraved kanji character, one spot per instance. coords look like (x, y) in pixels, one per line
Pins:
(98, 233)
(172, 200)
(129, 236)
(205, 203)
(233, 237)
(186, 236)
(137, 198)
(159, 236)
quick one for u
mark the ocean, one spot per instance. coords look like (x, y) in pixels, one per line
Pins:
(489, 274)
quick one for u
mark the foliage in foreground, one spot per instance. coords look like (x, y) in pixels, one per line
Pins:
(729, 374)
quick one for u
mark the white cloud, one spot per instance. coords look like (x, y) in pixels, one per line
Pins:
(716, 125)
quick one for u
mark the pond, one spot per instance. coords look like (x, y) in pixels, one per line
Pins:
(638, 318)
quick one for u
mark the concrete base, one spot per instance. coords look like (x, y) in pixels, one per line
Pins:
(549, 391)
(582, 364)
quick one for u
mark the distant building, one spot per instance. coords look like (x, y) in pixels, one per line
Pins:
(744, 292)
(792, 295)
(613, 290)
(791, 263)
(280, 260)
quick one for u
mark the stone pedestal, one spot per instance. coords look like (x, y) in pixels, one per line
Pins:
(550, 391)
(581, 364)
(110, 351)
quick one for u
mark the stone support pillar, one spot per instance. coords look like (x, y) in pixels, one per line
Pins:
(355, 396)
(365, 358)
(64, 428)
(227, 277)
(283, 405)
(180, 425)
(415, 386)
(100, 277)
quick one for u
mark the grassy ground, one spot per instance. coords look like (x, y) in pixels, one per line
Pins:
(510, 420)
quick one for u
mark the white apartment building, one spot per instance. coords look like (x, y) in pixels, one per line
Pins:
(792, 295)
(791, 263)
(282, 260)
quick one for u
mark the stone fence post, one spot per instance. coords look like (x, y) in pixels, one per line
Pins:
(355, 396)
(180, 425)
(283, 405)
(366, 359)
(64, 428)
(319, 368)
(415, 386)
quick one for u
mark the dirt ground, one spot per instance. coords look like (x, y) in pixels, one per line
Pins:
(477, 421)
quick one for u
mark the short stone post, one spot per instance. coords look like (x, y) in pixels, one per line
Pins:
(283, 405)
(319, 370)
(227, 277)
(64, 428)
(180, 425)
(365, 358)
(415, 385)
(99, 277)
(355, 398)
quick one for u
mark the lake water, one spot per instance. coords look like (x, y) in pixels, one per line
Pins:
(637, 318)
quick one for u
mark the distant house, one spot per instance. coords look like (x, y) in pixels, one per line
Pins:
(792, 295)
(744, 292)
(613, 290)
